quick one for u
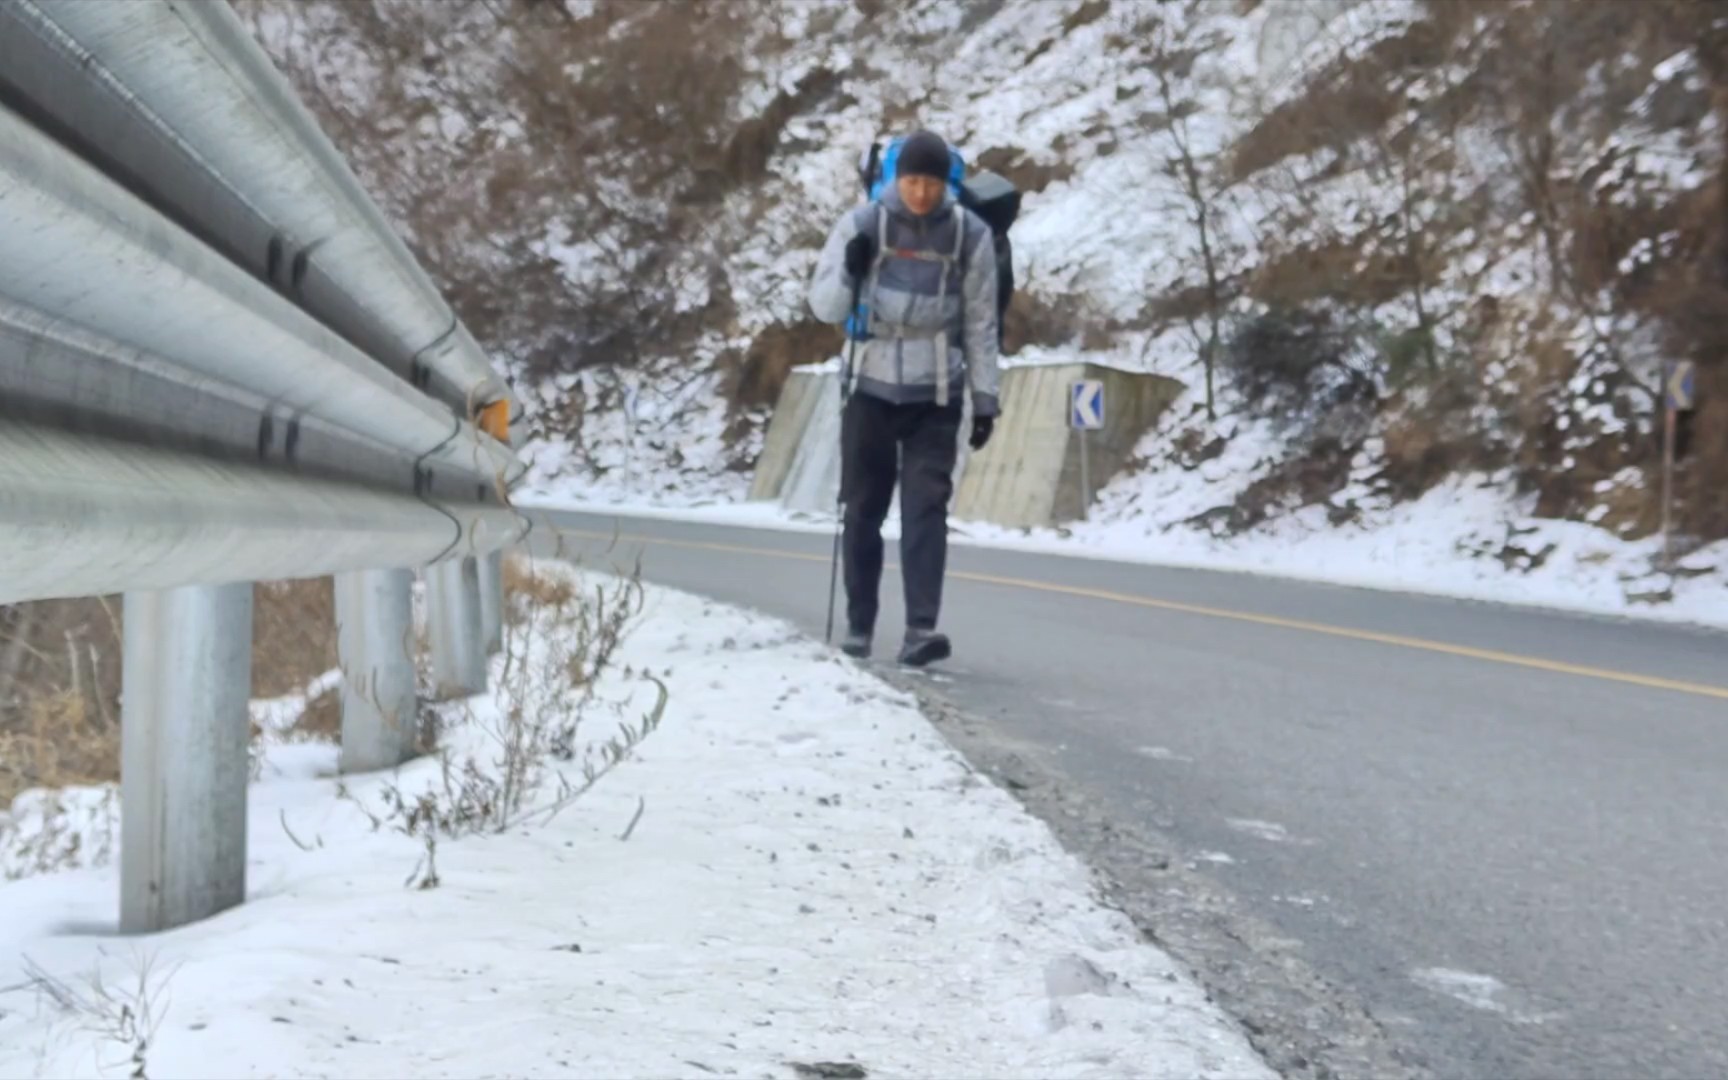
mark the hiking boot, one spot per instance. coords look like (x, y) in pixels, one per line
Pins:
(924, 647)
(856, 644)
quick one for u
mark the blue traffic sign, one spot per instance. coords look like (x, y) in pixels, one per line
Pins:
(1086, 405)
(1678, 387)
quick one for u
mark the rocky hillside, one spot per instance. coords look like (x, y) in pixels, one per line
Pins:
(1386, 243)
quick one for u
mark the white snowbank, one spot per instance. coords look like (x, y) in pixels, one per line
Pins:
(1443, 544)
(815, 876)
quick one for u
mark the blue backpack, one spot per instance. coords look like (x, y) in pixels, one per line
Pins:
(882, 166)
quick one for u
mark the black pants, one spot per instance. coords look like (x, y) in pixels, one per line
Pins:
(916, 444)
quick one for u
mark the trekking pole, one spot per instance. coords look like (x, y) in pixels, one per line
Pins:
(840, 495)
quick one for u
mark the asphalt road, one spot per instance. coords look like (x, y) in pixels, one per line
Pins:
(1503, 833)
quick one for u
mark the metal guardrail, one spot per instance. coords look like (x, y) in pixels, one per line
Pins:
(131, 87)
(218, 365)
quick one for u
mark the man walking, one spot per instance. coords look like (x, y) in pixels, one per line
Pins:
(925, 270)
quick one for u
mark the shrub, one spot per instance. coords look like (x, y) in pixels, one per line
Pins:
(1286, 357)
(524, 761)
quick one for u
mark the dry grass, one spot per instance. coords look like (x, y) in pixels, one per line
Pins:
(1052, 322)
(322, 720)
(1431, 440)
(125, 1017)
(1029, 176)
(527, 589)
(559, 640)
(1346, 102)
(747, 153)
(1308, 479)
(1085, 15)
(755, 378)
(56, 742)
(1335, 269)
(293, 635)
(59, 694)
(60, 672)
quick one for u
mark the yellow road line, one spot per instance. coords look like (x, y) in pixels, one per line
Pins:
(1492, 656)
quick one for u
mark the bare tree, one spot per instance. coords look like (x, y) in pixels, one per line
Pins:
(1172, 46)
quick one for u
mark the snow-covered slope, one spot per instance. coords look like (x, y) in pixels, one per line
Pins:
(1427, 247)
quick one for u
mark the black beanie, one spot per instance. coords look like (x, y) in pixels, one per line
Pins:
(923, 154)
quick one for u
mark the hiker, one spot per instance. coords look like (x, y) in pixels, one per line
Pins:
(924, 270)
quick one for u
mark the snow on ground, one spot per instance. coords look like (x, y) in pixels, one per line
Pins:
(660, 431)
(277, 715)
(815, 877)
(51, 830)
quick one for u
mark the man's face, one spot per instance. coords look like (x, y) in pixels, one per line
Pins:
(921, 194)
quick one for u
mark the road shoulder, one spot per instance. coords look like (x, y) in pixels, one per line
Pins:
(1302, 1024)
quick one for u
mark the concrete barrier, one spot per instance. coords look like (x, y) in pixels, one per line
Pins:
(1013, 480)
(1029, 475)
(785, 435)
(812, 481)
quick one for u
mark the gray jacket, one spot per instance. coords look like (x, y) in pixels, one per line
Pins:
(931, 300)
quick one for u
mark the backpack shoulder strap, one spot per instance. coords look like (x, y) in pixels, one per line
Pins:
(869, 290)
(961, 259)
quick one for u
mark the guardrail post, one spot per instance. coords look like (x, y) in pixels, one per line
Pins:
(453, 604)
(375, 639)
(492, 602)
(185, 730)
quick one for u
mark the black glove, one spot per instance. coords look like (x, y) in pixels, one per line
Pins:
(982, 426)
(860, 254)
